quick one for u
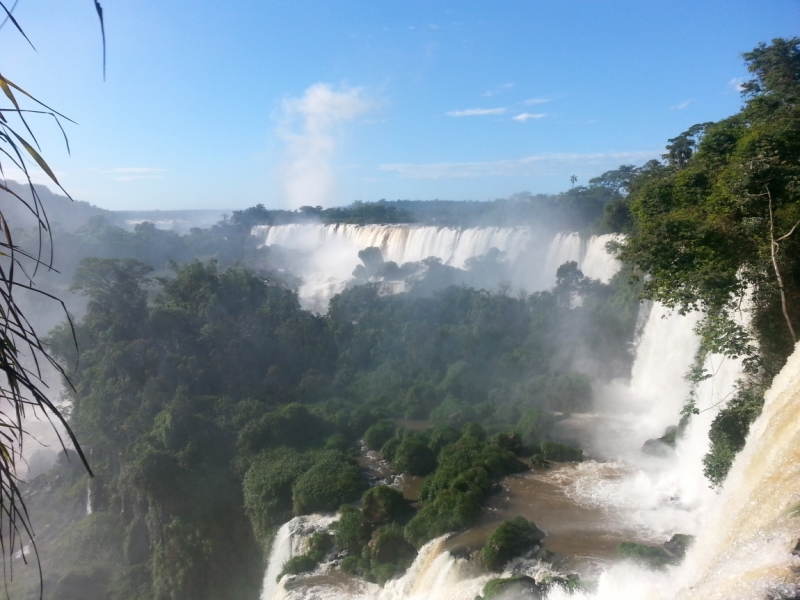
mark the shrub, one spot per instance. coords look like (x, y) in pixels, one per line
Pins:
(380, 433)
(337, 442)
(268, 487)
(389, 546)
(319, 544)
(332, 481)
(450, 510)
(533, 426)
(303, 563)
(414, 457)
(651, 556)
(352, 530)
(512, 538)
(561, 452)
(389, 449)
(513, 587)
(383, 504)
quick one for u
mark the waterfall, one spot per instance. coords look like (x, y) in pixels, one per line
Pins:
(290, 540)
(745, 548)
(89, 497)
(326, 255)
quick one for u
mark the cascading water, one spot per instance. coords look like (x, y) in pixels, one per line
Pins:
(744, 535)
(328, 254)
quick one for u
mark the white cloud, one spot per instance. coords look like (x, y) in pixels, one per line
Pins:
(308, 128)
(737, 83)
(536, 165)
(534, 101)
(498, 89)
(476, 112)
(681, 105)
(528, 116)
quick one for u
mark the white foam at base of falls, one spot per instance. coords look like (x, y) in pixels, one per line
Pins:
(658, 496)
(290, 541)
(329, 253)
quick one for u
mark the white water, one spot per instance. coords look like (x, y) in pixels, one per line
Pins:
(330, 252)
(745, 534)
(89, 497)
(290, 541)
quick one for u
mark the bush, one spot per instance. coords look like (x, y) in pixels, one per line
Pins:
(450, 510)
(268, 488)
(380, 433)
(414, 457)
(561, 452)
(332, 481)
(389, 546)
(513, 587)
(729, 431)
(443, 435)
(512, 538)
(337, 442)
(651, 556)
(533, 426)
(352, 530)
(389, 449)
(303, 563)
(319, 544)
(453, 412)
(383, 504)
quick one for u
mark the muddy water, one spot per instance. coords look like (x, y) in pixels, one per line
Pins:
(378, 472)
(584, 535)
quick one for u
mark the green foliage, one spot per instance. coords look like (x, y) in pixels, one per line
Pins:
(512, 538)
(516, 587)
(378, 434)
(729, 430)
(352, 531)
(560, 452)
(333, 480)
(534, 426)
(302, 563)
(414, 456)
(451, 510)
(704, 224)
(382, 505)
(651, 556)
(268, 488)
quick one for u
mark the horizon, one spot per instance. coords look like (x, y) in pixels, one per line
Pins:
(202, 108)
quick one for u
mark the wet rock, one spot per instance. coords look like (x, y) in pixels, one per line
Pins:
(522, 588)
(785, 591)
(678, 544)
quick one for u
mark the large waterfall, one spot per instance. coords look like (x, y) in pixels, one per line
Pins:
(326, 255)
(744, 534)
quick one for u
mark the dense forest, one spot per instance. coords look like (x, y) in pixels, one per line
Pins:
(215, 408)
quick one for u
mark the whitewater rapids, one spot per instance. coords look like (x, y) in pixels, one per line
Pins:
(329, 253)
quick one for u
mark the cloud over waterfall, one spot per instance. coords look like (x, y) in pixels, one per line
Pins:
(309, 126)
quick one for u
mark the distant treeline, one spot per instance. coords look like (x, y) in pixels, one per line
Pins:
(578, 208)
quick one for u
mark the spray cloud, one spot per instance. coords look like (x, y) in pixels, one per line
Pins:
(309, 127)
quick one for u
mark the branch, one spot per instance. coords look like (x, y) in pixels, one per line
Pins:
(774, 251)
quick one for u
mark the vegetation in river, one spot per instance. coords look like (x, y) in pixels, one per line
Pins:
(512, 538)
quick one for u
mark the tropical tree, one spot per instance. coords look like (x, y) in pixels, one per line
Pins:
(23, 355)
(718, 225)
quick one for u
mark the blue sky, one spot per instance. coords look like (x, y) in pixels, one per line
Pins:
(211, 104)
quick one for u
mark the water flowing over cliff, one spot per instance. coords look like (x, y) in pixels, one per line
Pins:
(745, 534)
(329, 253)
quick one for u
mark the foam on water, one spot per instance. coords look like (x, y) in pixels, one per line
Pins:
(330, 252)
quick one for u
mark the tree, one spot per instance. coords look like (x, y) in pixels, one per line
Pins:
(721, 219)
